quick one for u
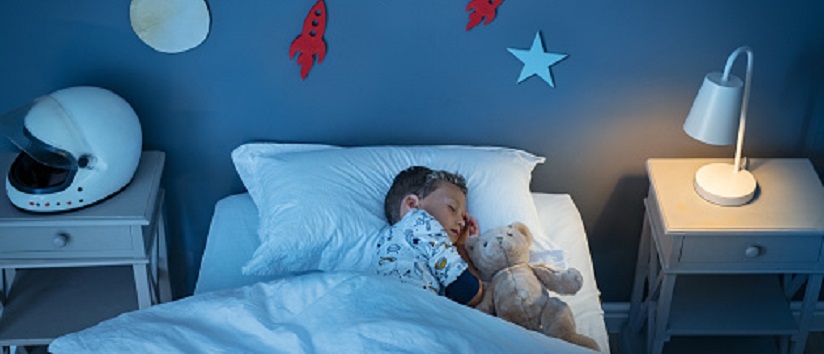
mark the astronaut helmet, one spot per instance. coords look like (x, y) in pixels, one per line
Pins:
(78, 146)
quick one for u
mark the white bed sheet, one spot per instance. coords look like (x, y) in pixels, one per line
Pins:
(320, 312)
(233, 238)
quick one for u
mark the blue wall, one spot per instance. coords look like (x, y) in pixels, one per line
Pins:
(406, 72)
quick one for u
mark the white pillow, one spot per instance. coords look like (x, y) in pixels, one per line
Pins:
(321, 206)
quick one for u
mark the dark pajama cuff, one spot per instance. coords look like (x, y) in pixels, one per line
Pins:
(463, 289)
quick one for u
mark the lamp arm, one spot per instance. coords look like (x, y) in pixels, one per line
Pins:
(743, 118)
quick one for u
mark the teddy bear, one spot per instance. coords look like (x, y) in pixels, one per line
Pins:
(519, 291)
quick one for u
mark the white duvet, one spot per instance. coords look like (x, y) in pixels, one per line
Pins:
(312, 313)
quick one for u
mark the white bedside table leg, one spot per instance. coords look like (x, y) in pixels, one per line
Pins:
(5, 291)
(141, 283)
(807, 310)
(637, 307)
(652, 306)
(792, 283)
(163, 259)
(655, 278)
(662, 314)
(8, 279)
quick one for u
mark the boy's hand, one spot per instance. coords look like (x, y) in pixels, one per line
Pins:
(470, 229)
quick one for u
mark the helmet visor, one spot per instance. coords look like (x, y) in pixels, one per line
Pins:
(45, 131)
(30, 176)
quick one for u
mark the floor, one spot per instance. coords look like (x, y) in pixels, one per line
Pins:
(815, 344)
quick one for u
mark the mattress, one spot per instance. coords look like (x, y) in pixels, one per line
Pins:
(233, 238)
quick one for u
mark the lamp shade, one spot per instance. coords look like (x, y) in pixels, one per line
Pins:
(714, 116)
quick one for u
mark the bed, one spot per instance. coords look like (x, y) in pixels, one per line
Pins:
(322, 303)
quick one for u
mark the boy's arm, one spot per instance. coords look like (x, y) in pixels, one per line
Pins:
(479, 296)
(468, 288)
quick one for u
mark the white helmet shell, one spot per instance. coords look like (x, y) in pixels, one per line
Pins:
(80, 145)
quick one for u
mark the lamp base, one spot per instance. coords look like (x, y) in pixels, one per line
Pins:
(718, 183)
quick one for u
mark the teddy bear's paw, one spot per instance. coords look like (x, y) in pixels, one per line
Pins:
(571, 282)
(558, 321)
(583, 341)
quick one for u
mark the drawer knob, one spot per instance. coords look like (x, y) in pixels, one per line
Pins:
(753, 251)
(60, 240)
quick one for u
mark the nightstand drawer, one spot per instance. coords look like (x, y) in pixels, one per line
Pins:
(751, 249)
(69, 242)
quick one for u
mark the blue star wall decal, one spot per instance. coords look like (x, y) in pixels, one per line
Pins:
(536, 61)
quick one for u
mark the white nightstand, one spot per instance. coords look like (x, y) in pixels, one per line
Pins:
(68, 271)
(724, 277)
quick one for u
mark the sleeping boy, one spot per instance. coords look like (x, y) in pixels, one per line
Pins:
(423, 245)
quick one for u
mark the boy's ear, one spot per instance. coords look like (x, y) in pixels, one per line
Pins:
(409, 202)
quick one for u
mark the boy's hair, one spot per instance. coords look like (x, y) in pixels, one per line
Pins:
(420, 181)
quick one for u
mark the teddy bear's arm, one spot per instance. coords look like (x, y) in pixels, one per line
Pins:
(487, 303)
(566, 282)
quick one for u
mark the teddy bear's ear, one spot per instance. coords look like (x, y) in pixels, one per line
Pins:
(522, 228)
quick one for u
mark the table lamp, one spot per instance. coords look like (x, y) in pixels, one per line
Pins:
(718, 106)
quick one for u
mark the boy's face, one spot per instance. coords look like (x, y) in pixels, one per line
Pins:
(447, 204)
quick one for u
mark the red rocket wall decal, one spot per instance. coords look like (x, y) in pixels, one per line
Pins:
(310, 42)
(483, 9)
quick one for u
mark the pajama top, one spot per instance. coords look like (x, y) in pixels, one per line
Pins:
(417, 250)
